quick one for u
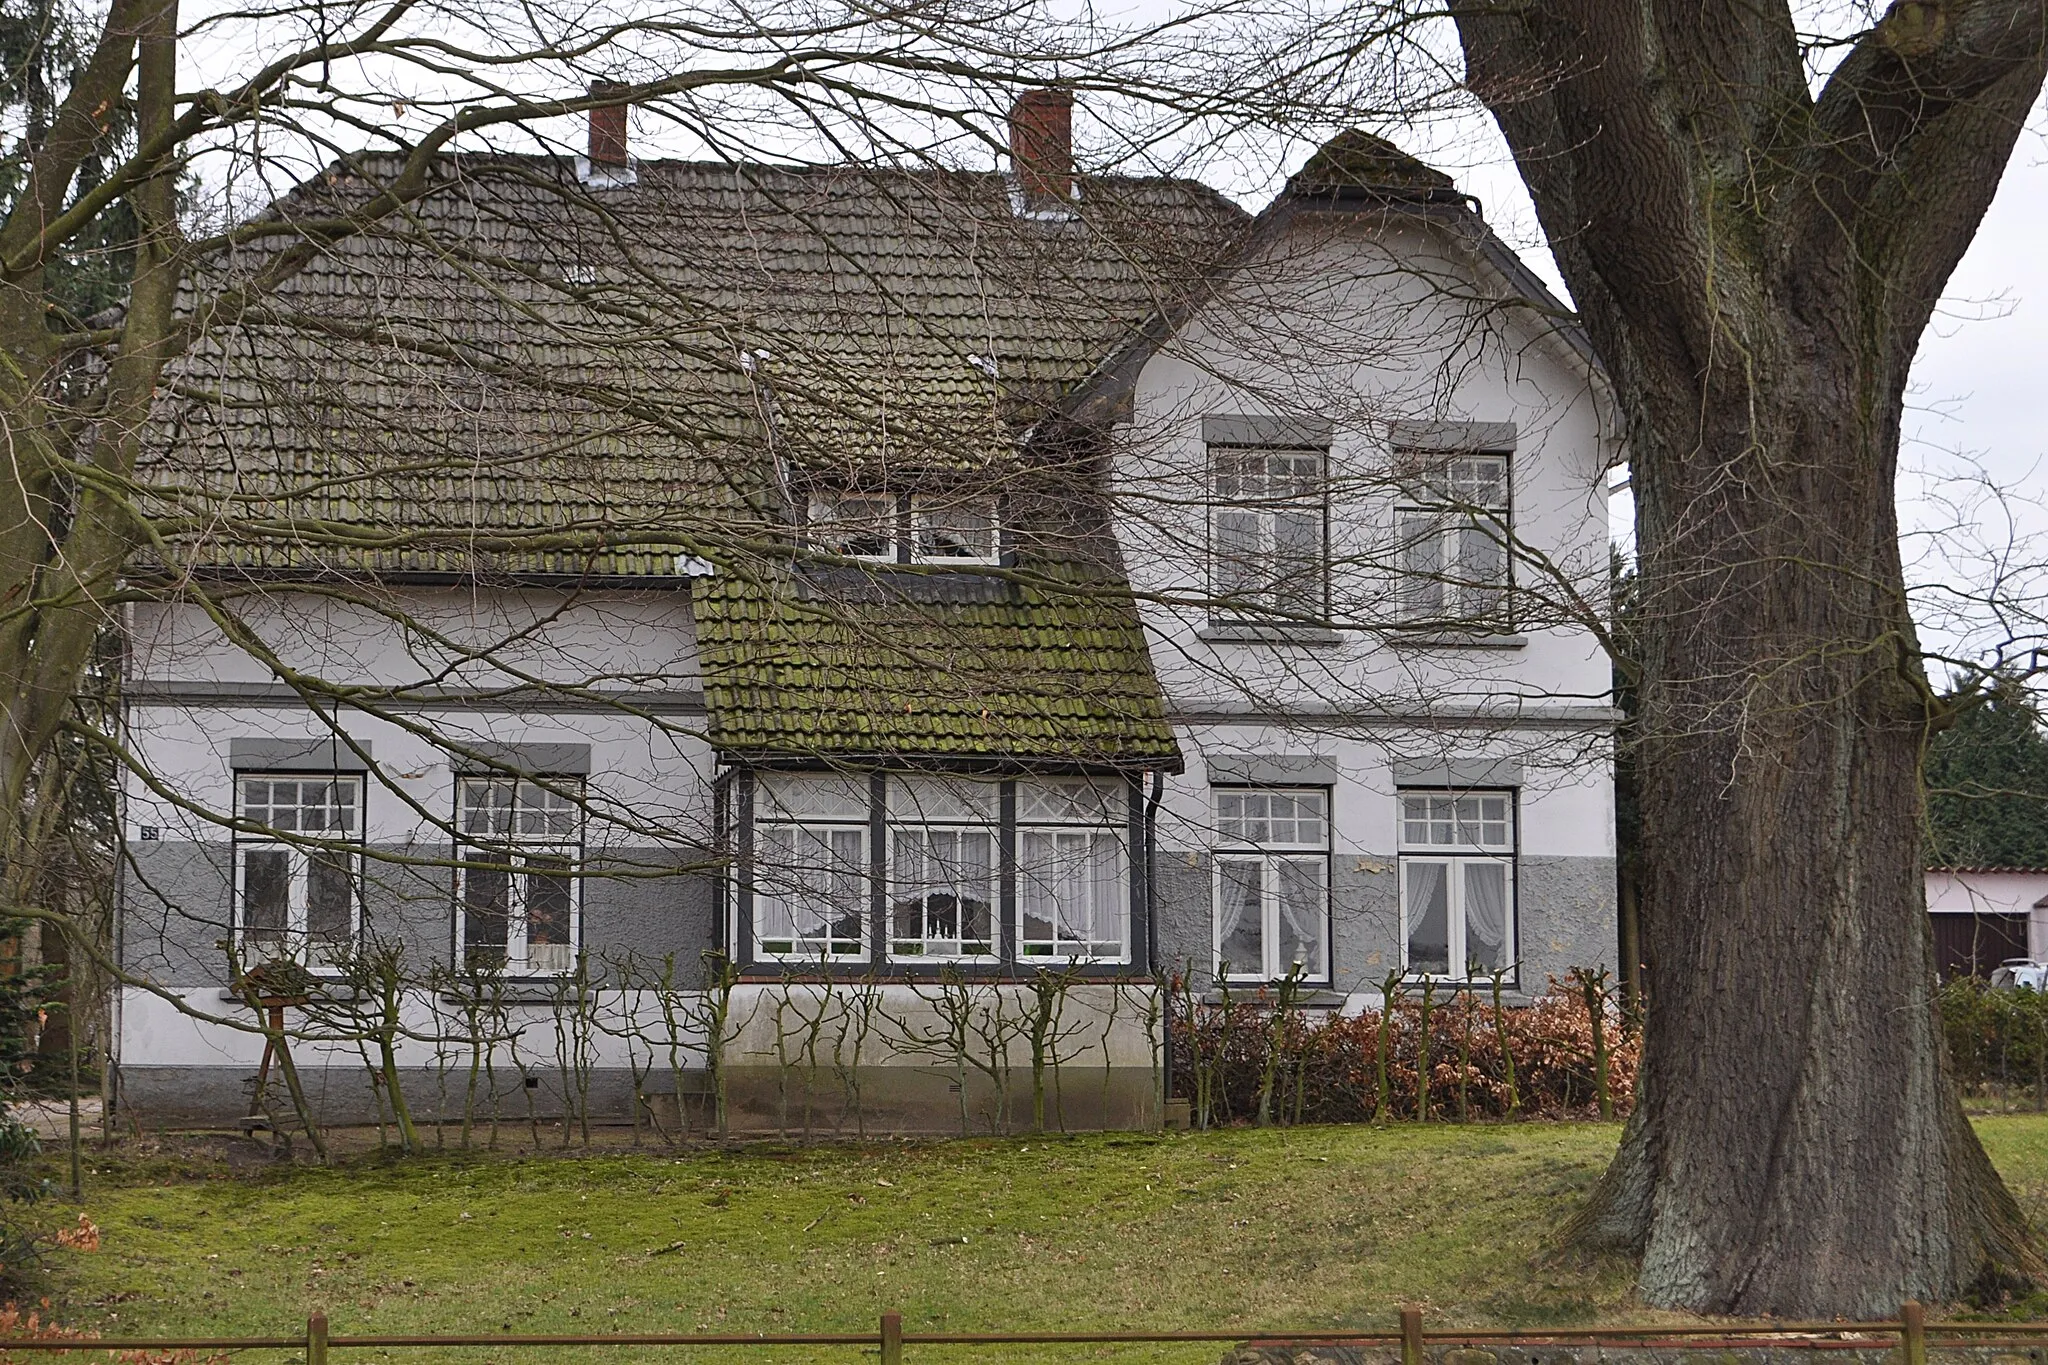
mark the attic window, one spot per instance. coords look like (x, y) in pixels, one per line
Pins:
(855, 525)
(893, 528)
(953, 530)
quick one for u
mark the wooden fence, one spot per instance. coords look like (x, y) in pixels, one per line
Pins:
(1911, 1330)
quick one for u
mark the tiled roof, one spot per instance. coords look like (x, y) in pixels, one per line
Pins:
(523, 374)
(1052, 668)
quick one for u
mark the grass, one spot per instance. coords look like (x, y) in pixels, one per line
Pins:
(1307, 1227)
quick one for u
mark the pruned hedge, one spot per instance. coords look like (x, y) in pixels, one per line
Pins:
(1259, 1058)
(1997, 1039)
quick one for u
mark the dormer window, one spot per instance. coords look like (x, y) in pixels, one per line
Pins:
(855, 525)
(953, 530)
(901, 529)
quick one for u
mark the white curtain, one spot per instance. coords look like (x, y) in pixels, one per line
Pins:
(1301, 916)
(1422, 565)
(1239, 926)
(1429, 916)
(1109, 899)
(1238, 559)
(810, 885)
(1486, 917)
(1482, 571)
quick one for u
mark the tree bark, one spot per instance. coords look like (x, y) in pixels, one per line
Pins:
(1755, 266)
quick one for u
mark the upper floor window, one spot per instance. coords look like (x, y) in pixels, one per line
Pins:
(1454, 532)
(856, 525)
(297, 900)
(1457, 883)
(1272, 883)
(958, 530)
(900, 529)
(1268, 533)
(519, 873)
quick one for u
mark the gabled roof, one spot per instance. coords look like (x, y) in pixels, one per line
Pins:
(520, 373)
(1358, 175)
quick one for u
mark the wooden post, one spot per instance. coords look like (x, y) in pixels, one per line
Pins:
(316, 1339)
(892, 1339)
(1411, 1336)
(1913, 1331)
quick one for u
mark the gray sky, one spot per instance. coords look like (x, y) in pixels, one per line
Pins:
(1973, 481)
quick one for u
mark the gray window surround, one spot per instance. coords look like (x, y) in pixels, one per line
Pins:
(1461, 777)
(1429, 637)
(1274, 772)
(1451, 438)
(490, 758)
(1470, 774)
(1273, 633)
(1226, 432)
(1427, 628)
(1285, 433)
(1270, 770)
(329, 755)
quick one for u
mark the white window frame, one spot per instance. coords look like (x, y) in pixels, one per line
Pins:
(824, 513)
(820, 825)
(910, 523)
(512, 853)
(922, 507)
(1270, 855)
(1458, 500)
(1262, 510)
(1449, 840)
(1086, 817)
(296, 933)
(922, 808)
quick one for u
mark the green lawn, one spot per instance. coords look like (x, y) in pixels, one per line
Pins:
(1301, 1227)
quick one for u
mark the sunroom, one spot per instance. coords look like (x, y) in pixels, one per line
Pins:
(933, 773)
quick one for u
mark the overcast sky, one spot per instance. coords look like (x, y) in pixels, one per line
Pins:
(1978, 392)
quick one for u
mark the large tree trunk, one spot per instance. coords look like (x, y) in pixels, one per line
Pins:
(1799, 1148)
(1756, 266)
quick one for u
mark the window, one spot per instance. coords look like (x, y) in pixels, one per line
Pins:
(895, 529)
(1268, 533)
(810, 867)
(295, 902)
(951, 850)
(855, 525)
(1453, 541)
(1272, 883)
(1457, 884)
(942, 868)
(518, 890)
(960, 530)
(1073, 872)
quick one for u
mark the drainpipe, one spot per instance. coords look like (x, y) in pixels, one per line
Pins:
(1152, 934)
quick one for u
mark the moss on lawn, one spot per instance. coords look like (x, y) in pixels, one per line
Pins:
(1301, 1227)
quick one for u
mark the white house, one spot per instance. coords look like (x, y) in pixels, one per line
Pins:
(862, 633)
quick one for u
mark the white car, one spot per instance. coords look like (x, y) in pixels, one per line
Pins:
(2017, 972)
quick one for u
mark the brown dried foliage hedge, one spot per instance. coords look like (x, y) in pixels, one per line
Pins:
(1327, 1066)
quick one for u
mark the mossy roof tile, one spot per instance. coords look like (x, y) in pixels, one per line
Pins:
(907, 680)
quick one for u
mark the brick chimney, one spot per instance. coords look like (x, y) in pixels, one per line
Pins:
(607, 127)
(1042, 145)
